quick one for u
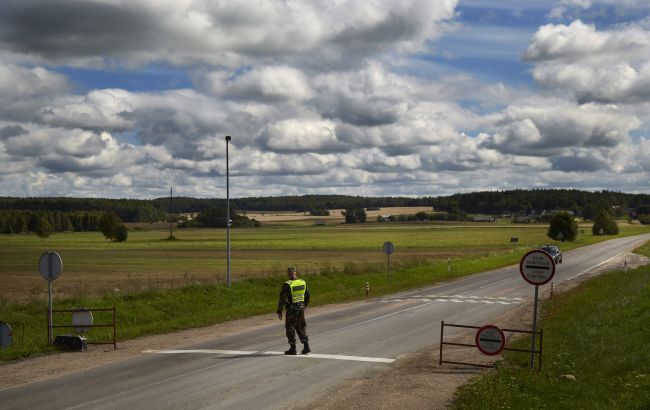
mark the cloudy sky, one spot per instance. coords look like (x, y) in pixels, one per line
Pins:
(125, 98)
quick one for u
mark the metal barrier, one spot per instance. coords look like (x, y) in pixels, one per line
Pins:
(113, 324)
(442, 342)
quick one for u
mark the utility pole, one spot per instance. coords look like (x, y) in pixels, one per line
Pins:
(171, 202)
(228, 138)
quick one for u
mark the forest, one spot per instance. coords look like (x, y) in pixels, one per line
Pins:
(82, 214)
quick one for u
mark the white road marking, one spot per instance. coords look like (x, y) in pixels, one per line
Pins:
(595, 266)
(502, 300)
(206, 351)
(247, 352)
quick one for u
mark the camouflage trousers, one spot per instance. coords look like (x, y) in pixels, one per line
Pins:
(295, 323)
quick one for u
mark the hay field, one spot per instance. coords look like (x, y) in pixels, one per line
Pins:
(335, 215)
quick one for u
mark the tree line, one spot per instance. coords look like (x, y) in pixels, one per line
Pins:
(128, 210)
(21, 221)
(581, 203)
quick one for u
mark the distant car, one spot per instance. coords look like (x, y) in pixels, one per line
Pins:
(554, 251)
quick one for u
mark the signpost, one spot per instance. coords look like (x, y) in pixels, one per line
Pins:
(6, 335)
(50, 266)
(490, 340)
(82, 320)
(388, 249)
(537, 268)
(514, 240)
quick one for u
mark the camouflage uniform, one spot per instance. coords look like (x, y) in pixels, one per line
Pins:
(295, 316)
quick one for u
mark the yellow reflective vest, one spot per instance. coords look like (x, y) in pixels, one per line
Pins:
(298, 288)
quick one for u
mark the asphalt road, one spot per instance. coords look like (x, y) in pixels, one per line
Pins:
(246, 371)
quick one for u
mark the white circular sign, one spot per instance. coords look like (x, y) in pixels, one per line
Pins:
(82, 320)
(537, 267)
(388, 248)
(6, 335)
(50, 265)
(490, 340)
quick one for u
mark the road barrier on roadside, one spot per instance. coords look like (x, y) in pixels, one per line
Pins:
(499, 343)
(85, 324)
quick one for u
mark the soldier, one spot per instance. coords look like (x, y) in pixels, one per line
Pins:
(295, 297)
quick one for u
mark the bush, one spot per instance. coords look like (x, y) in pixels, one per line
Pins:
(43, 229)
(604, 223)
(121, 233)
(564, 224)
(108, 225)
(644, 219)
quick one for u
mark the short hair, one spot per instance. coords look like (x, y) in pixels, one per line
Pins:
(291, 269)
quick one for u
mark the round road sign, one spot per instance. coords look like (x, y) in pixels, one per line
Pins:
(537, 267)
(6, 336)
(490, 340)
(82, 320)
(388, 248)
(50, 265)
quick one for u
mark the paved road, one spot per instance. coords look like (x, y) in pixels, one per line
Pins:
(245, 371)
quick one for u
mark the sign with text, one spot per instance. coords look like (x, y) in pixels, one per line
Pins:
(537, 267)
(490, 340)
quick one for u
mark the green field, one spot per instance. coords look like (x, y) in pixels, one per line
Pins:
(597, 334)
(93, 265)
(145, 277)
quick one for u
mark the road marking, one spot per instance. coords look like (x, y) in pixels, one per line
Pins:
(501, 300)
(247, 353)
(595, 266)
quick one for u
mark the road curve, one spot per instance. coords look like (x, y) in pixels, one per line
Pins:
(246, 371)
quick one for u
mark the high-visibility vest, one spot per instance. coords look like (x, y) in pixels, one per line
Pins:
(298, 288)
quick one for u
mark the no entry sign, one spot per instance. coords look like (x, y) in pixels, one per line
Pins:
(537, 267)
(490, 340)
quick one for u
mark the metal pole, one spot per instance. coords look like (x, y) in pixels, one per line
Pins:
(388, 269)
(532, 350)
(50, 335)
(171, 233)
(227, 214)
(442, 332)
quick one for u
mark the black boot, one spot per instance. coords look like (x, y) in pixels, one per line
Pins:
(305, 348)
(292, 350)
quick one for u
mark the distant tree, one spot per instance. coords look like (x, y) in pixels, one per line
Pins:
(605, 222)
(121, 233)
(421, 216)
(44, 228)
(350, 215)
(644, 219)
(355, 215)
(108, 225)
(565, 224)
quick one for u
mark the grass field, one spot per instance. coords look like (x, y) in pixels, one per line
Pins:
(93, 265)
(145, 277)
(597, 334)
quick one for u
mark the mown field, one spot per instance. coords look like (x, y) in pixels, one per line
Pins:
(596, 352)
(93, 265)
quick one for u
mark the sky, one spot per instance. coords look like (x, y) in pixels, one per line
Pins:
(127, 98)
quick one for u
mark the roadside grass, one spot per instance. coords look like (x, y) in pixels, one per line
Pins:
(597, 333)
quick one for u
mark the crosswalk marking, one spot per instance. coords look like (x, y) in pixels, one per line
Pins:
(501, 300)
(271, 353)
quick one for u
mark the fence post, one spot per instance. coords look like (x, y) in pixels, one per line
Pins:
(114, 329)
(442, 330)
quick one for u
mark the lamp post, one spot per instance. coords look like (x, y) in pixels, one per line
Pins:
(227, 214)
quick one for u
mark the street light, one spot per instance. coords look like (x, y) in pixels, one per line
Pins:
(227, 214)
